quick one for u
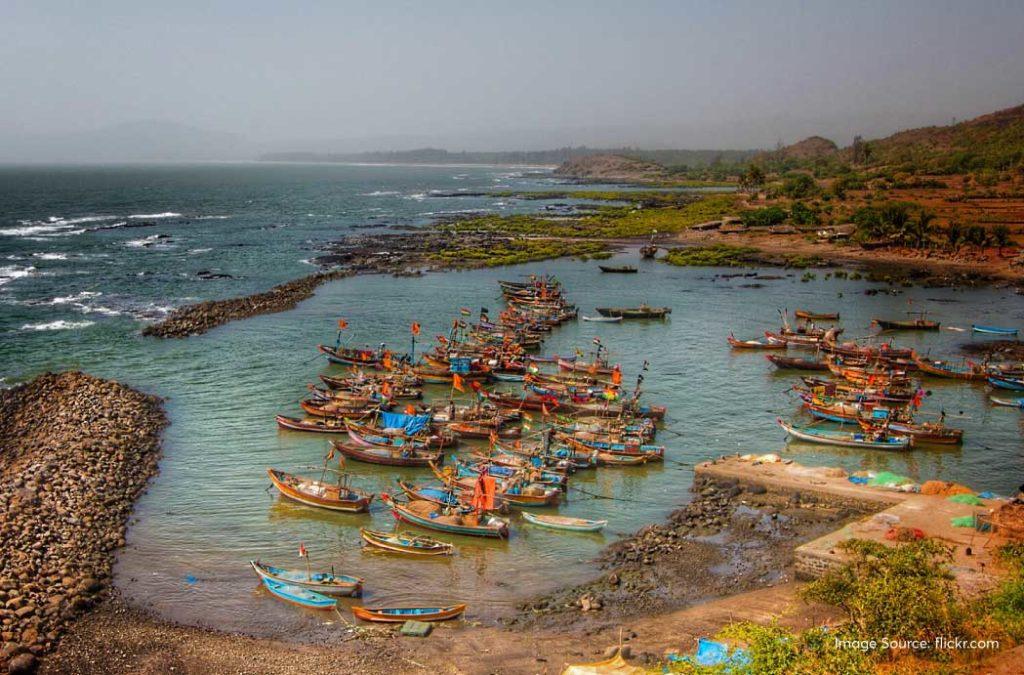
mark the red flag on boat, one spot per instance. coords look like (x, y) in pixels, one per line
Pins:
(302, 551)
(475, 386)
(342, 324)
(415, 328)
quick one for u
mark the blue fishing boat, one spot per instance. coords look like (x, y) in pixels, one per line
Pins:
(321, 582)
(1011, 383)
(993, 330)
(427, 514)
(299, 596)
(1008, 402)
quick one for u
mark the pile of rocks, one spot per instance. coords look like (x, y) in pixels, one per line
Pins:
(201, 317)
(75, 452)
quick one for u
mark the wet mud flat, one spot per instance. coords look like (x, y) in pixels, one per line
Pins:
(731, 538)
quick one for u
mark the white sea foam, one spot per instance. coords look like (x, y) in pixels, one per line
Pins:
(380, 193)
(148, 216)
(50, 256)
(11, 272)
(67, 299)
(60, 324)
(197, 251)
(51, 225)
(146, 242)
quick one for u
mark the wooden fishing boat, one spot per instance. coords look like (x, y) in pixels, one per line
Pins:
(834, 411)
(609, 459)
(586, 442)
(618, 269)
(332, 496)
(789, 362)
(768, 343)
(320, 582)
(565, 522)
(1008, 402)
(407, 543)
(922, 433)
(915, 324)
(315, 408)
(362, 434)
(426, 514)
(993, 330)
(441, 495)
(321, 425)
(641, 312)
(366, 358)
(403, 614)
(389, 456)
(602, 319)
(794, 339)
(473, 430)
(968, 371)
(845, 438)
(598, 367)
(1003, 382)
(649, 250)
(816, 316)
(297, 595)
(435, 375)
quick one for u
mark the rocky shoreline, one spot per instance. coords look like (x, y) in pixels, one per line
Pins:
(75, 453)
(729, 539)
(198, 318)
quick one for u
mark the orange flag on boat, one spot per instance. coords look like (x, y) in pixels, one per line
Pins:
(386, 389)
(387, 360)
(302, 551)
(330, 455)
(342, 324)
(409, 409)
(457, 382)
(617, 375)
(415, 328)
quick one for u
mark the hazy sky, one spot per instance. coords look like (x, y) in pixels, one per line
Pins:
(490, 75)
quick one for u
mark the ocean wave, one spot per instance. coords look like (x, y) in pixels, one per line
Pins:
(68, 299)
(51, 225)
(147, 242)
(50, 256)
(11, 272)
(416, 196)
(60, 324)
(166, 214)
(380, 193)
(197, 251)
(211, 217)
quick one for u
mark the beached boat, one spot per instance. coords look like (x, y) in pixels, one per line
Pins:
(618, 269)
(565, 522)
(993, 330)
(879, 441)
(915, 324)
(321, 582)
(789, 362)
(1003, 382)
(816, 316)
(767, 343)
(602, 319)
(641, 312)
(407, 455)
(406, 543)
(427, 514)
(403, 614)
(333, 496)
(297, 595)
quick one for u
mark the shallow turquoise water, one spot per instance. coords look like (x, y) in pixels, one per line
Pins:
(207, 512)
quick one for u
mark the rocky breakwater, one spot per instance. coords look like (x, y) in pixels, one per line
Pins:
(203, 316)
(75, 452)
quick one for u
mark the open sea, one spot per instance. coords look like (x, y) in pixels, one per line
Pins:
(89, 254)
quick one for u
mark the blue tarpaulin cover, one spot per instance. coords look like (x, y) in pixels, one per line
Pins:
(460, 364)
(711, 653)
(411, 423)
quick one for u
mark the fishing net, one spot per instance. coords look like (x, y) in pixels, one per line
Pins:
(1007, 521)
(889, 479)
(944, 488)
(965, 499)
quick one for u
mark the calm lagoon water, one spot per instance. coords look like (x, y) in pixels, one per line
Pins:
(75, 297)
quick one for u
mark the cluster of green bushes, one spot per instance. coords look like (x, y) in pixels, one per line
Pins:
(904, 594)
(716, 255)
(910, 225)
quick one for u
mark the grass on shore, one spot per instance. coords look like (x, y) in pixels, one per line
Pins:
(518, 250)
(609, 222)
(716, 255)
